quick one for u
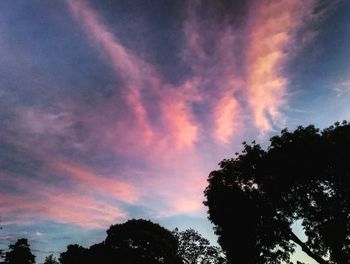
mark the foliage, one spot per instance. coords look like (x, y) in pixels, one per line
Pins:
(50, 260)
(141, 241)
(195, 249)
(19, 253)
(254, 198)
(101, 253)
(74, 254)
(133, 242)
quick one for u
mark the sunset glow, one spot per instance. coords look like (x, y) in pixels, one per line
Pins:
(112, 110)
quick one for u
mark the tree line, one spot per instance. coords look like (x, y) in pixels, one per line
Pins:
(254, 199)
(136, 241)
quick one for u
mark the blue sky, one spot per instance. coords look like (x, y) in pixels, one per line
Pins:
(113, 110)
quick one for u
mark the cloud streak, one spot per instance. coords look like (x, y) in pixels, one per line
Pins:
(112, 187)
(140, 78)
(148, 141)
(70, 206)
(228, 93)
(272, 31)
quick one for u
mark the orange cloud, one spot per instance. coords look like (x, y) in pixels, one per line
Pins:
(272, 27)
(226, 114)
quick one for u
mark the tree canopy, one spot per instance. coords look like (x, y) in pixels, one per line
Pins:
(50, 259)
(74, 254)
(304, 176)
(195, 249)
(141, 241)
(19, 253)
(136, 241)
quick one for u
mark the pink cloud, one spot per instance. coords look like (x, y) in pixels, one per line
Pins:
(139, 76)
(121, 59)
(267, 42)
(83, 210)
(178, 117)
(216, 72)
(175, 185)
(70, 206)
(124, 63)
(226, 114)
(105, 186)
(64, 208)
(168, 148)
(232, 99)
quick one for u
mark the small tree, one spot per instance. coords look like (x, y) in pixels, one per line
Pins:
(20, 253)
(50, 260)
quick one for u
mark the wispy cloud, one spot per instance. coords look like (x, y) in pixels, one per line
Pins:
(272, 33)
(228, 118)
(102, 185)
(71, 206)
(140, 78)
(229, 85)
(210, 51)
(342, 88)
(151, 142)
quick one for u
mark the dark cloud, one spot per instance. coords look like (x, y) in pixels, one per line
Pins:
(17, 162)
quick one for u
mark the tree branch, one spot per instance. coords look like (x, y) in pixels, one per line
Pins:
(294, 238)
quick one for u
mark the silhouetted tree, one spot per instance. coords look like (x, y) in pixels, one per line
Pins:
(19, 253)
(195, 249)
(304, 176)
(75, 254)
(2, 255)
(50, 260)
(133, 242)
(102, 253)
(142, 242)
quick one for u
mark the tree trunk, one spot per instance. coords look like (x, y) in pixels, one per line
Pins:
(294, 238)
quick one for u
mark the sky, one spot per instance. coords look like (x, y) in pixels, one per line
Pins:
(112, 110)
